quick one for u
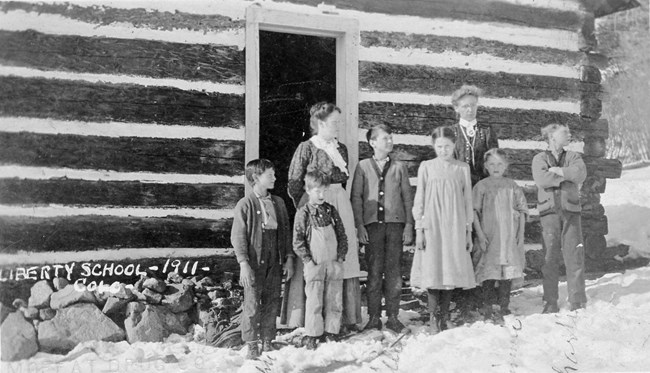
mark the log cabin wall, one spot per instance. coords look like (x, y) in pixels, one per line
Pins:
(122, 124)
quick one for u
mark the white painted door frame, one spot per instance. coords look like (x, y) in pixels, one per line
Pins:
(346, 32)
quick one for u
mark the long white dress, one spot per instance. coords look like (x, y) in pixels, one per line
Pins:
(443, 208)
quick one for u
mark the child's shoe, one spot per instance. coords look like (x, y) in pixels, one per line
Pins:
(253, 350)
(434, 324)
(373, 323)
(551, 307)
(394, 324)
(576, 306)
(311, 342)
(330, 337)
(267, 345)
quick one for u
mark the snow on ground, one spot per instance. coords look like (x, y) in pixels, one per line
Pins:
(627, 206)
(611, 335)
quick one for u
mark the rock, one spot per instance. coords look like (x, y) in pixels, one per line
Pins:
(114, 305)
(78, 323)
(60, 283)
(46, 314)
(69, 295)
(138, 286)
(174, 278)
(19, 303)
(4, 312)
(153, 324)
(101, 296)
(204, 317)
(124, 293)
(40, 294)
(155, 284)
(178, 298)
(30, 313)
(134, 308)
(151, 296)
(36, 322)
(18, 338)
(185, 320)
(187, 282)
(138, 295)
(218, 293)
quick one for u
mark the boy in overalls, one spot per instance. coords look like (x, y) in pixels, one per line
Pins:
(320, 242)
(261, 237)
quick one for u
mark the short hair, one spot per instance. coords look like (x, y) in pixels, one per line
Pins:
(496, 152)
(465, 90)
(320, 111)
(257, 167)
(445, 131)
(374, 131)
(316, 178)
(550, 129)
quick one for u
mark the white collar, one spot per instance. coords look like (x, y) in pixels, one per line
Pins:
(322, 143)
(467, 124)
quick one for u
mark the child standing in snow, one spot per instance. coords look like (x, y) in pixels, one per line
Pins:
(443, 215)
(321, 243)
(499, 218)
(261, 237)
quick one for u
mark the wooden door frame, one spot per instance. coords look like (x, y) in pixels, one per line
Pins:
(346, 33)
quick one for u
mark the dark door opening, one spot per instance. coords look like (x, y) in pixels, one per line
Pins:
(296, 71)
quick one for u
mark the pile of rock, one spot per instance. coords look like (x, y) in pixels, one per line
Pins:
(59, 315)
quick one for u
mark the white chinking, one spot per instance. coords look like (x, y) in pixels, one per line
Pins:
(22, 257)
(506, 103)
(479, 61)
(46, 173)
(55, 210)
(118, 129)
(188, 85)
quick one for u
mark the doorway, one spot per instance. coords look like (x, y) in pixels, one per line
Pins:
(296, 71)
(293, 61)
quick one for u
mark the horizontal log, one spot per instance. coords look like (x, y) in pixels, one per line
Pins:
(76, 100)
(591, 105)
(595, 146)
(148, 58)
(384, 77)
(197, 156)
(510, 124)
(139, 18)
(478, 11)
(471, 46)
(608, 168)
(596, 226)
(94, 232)
(118, 193)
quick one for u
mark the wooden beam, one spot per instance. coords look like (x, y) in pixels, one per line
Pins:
(157, 59)
(384, 77)
(471, 46)
(512, 124)
(118, 193)
(89, 232)
(477, 11)
(137, 18)
(197, 156)
(75, 100)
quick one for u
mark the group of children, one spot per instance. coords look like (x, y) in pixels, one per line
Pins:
(465, 233)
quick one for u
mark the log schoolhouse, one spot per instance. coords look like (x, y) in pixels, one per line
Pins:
(125, 126)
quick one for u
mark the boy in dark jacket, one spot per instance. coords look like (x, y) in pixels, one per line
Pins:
(559, 174)
(261, 237)
(382, 203)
